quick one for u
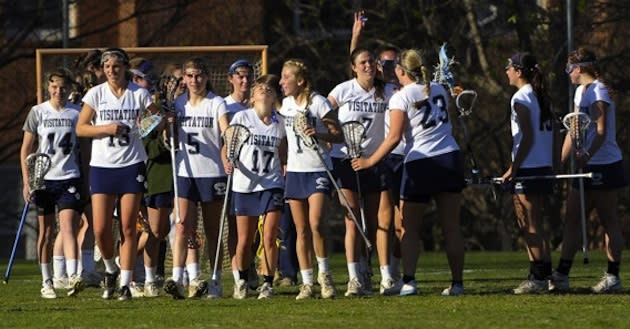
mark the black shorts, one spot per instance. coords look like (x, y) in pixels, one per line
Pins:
(426, 177)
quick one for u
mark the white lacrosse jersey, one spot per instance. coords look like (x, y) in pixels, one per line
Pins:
(541, 151)
(302, 158)
(258, 167)
(428, 130)
(199, 136)
(400, 148)
(609, 152)
(233, 106)
(56, 136)
(357, 104)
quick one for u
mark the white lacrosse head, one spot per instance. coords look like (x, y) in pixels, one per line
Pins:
(577, 123)
(38, 165)
(353, 134)
(465, 102)
(300, 123)
(148, 123)
(235, 137)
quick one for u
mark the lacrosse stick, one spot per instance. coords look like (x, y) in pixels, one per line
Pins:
(300, 123)
(577, 123)
(148, 123)
(353, 134)
(499, 180)
(168, 88)
(234, 138)
(38, 165)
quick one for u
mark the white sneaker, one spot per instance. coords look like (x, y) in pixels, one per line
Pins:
(151, 289)
(215, 290)
(265, 291)
(61, 283)
(306, 292)
(174, 289)
(75, 285)
(240, 289)
(532, 286)
(327, 285)
(124, 293)
(197, 288)
(390, 287)
(408, 289)
(48, 290)
(607, 285)
(453, 290)
(354, 288)
(136, 289)
(558, 282)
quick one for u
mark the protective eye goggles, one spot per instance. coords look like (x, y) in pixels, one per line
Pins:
(571, 66)
(387, 63)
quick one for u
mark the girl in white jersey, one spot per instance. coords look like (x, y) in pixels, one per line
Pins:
(110, 115)
(52, 125)
(307, 182)
(201, 118)
(364, 99)
(532, 154)
(258, 183)
(433, 166)
(601, 156)
(240, 75)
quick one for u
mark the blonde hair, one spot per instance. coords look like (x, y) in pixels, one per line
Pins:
(301, 72)
(413, 63)
(270, 80)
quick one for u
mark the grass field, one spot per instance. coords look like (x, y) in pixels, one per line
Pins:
(488, 303)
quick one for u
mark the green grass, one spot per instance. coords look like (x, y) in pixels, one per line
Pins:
(489, 278)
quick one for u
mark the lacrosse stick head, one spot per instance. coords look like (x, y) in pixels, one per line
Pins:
(465, 102)
(577, 124)
(235, 137)
(353, 134)
(148, 123)
(443, 74)
(38, 165)
(300, 123)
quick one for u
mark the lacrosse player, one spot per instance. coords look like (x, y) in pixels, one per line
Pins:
(601, 156)
(240, 75)
(201, 119)
(433, 167)
(110, 116)
(307, 182)
(532, 154)
(364, 99)
(258, 183)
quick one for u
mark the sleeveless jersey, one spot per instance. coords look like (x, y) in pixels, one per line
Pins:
(541, 152)
(199, 137)
(56, 136)
(127, 149)
(258, 167)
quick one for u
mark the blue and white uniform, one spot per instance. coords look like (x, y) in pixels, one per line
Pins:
(233, 106)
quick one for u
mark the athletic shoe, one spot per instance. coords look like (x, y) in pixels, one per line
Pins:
(327, 285)
(532, 286)
(354, 288)
(390, 287)
(306, 292)
(151, 289)
(48, 290)
(61, 283)
(75, 285)
(91, 279)
(240, 289)
(285, 282)
(558, 282)
(215, 290)
(137, 290)
(608, 284)
(453, 290)
(197, 288)
(109, 283)
(174, 289)
(265, 291)
(124, 293)
(408, 289)
(159, 281)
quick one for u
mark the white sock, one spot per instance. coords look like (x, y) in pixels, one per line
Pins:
(193, 271)
(87, 261)
(125, 277)
(353, 270)
(45, 272)
(307, 276)
(110, 265)
(236, 275)
(322, 265)
(178, 274)
(149, 274)
(59, 266)
(385, 275)
(71, 266)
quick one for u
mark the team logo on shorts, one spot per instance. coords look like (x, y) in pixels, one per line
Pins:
(276, 199)
(140, 178)
(322, 183)
(219, 188)
(73, 190)
(598, 179)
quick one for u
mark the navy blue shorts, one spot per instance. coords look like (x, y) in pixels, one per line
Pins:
(535, 186)
(257, 203)
(129, 179)
(605, 177)
(425, 177)
(372, 179)
(64, 194)
(204, 189)
(301, 185)
(393, 166)
(159, 200)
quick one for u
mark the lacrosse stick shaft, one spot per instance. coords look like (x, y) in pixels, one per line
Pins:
(222, 221)
(583, 218)
(171, 141)
(499, 180)
(361, 210)
(7, 274)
